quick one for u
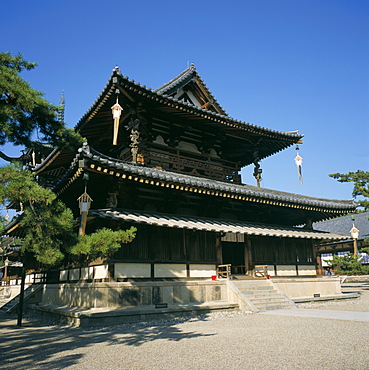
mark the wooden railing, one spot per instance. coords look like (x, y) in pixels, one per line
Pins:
(190, 163)
(261, 271)
(224, 271)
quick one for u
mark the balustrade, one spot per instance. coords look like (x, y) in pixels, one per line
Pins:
(186, 162)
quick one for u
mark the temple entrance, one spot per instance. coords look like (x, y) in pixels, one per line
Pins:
(234, 254)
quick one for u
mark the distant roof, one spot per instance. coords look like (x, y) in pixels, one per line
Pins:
(343, 224)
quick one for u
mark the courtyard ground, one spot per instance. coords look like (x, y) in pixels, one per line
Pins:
(216, 341)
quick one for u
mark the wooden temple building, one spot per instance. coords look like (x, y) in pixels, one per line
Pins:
(168, 162)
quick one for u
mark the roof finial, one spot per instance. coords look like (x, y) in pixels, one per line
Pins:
(117, 70)
(61, 109)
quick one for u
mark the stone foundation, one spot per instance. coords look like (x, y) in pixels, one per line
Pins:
(126, 294)
(309, 287)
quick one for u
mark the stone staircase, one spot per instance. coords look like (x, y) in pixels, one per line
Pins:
(263, 295)
(5, 295)
(10, 304)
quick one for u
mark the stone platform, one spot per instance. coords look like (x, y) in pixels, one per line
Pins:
(75, 316)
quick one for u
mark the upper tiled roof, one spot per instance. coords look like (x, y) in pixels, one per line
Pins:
(288, 138)
(173, 84)
(344, 224)
(189, 74)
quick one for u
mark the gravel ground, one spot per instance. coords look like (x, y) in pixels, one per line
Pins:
(220, 340)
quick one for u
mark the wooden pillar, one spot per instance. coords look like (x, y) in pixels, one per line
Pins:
(319, 267)
(248, 257)
(218, 248)
(317, 259)
(82, 225)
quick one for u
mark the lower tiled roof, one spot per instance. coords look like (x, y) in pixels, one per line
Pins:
(239, 191)
(215, 225)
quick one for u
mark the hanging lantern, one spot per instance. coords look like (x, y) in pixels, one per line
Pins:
(298, 161)
(116, 111)
(354, 232)
(84, 206)
(354, 235)
(84, 202)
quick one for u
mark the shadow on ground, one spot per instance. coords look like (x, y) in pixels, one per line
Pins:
(37, 345)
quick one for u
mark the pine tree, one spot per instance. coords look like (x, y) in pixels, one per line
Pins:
(361, 185)
(47, 222)
(25, 115)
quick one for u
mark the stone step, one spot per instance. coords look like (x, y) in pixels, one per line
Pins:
(7, 306)
(258, 293)
(12, 303)
(266, 297)
(277, 300)
(263, 295)
(251, 283)
(251, 288)
(274, 307)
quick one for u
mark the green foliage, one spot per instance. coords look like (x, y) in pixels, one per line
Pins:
(18, 187)
(102, 243)
(48, 224)
(348, 265)
(361, 185)
(23, 110)
(364, 270)
(2, 224)
(71, 139)
(49, 231)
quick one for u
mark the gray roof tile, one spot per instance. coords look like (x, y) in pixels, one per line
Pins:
(208, 224)
(343, 224)
(245, 190)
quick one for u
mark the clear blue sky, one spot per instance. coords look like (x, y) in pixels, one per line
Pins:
(285, 65)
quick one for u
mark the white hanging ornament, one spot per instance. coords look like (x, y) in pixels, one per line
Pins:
(116, 111)
(298, 161)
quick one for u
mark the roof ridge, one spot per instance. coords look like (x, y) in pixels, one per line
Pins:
(176, 80)
(186, 74)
